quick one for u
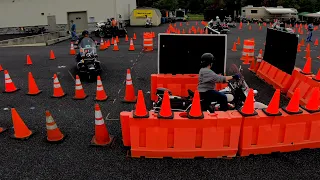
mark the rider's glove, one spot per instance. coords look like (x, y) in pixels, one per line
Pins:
(236, 77)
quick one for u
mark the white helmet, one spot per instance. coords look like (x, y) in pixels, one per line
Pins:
(217, 17)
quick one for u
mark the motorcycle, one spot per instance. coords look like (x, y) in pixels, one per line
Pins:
(89, 64)
(103, 29)
(236, 92)
(222, 28)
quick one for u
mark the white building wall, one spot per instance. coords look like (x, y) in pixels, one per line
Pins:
(17, 13)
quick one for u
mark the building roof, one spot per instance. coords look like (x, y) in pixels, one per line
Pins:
(280, 10)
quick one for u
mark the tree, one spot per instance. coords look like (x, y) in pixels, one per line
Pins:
(166, 4)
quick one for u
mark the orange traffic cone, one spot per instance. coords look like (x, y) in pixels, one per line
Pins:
(54, 134)
(293, 106)
(273, 107)
(299, 47)
(115, 46)
(33, 88)
(127, 39)
(308, 47)
(129, 94)
(105, 45)
(108, 43)
(316, 43)
(117, 39)
(1, 68)
(307, 67)
(2, 129)
(79, 91)
(72, 50)
(302, 42)
(246, 61)
(317, 77)
(165, 110)
(248, 107)
(131, 47)
(9, 85)
(195, 111)
(101, 94)
(307, 54)
(260, 28)
(21, 131)
(141, 109)
(101, 137)
(57, 89)
(252, 66)
(134, 36)
(234, 48)
(313, 102)
(52, 56)
(29, 61)
(112, 41)
(102, 45)
(238, 42)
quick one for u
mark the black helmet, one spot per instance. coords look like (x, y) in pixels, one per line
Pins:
(85, 32)
(206, 59)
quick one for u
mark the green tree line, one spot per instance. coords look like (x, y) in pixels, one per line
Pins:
(198, 6)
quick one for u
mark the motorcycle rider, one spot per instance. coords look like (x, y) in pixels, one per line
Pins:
(114, 26)
(148, 20)
(207, 82)
(85, 34)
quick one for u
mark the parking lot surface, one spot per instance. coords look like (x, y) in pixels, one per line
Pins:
(75, 159)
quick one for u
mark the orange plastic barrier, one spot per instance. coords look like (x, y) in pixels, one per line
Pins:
(304, 82)
(216, 135)
(262, 134)
(178, 84)
(274, 76)
(147, 41)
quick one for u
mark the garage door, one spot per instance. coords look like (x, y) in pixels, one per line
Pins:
(80, 19)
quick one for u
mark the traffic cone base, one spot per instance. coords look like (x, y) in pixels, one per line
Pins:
(135, 116)
(269, 114)
(57, 141)
(12, 91)
(305, 73)
(34, 94)
(291, 113)
(3, 129)
(310, 111)
(107, 144)
(23, 138)
(59, 96)
(314, 78)
(103, 99)
(247, 115)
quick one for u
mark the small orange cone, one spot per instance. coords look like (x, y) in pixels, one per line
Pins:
(21, 131)
(9, 85)
(54, 134)
(101, 94)
(72, 50)
(112, 41)
(234, 48)
(165, 110)
(115, 46)
(131, 47)
(79, 91)
(246, 60)
(105, 46)
(141, 109)
(299, 48)
(117, 39)
(29, 61)
(1, 68)
(252, 66)
(317, 77)
(101, 137)
(307, 67)
(250, 27)
(57, 89)
(293, 106)
(302, 42)
(238, 42)
(33, 88)
(307, 54)
(316, 43)
(102, 45)
(308, 47)
(127, 39)
(134, 36)
(195, 111)
(313, 102)
(129, 94)
(52, 56)
(248, 107)
(273, 107)
(108, 43)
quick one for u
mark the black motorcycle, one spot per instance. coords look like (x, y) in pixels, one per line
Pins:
(89, 64)
(236, 92)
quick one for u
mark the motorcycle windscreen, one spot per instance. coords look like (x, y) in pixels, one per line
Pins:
(88, 46)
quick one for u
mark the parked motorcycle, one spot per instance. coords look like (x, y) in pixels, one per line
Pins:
(222, 28)
(236, 92)
(103, 29)
(89, 64)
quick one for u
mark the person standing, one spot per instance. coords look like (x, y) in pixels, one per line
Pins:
(310, 30)
(73, 31)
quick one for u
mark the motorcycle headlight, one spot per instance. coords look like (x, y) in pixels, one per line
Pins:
(82, 61)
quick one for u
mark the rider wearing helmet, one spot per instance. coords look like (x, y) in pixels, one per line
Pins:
(207, 83)
(85, 34)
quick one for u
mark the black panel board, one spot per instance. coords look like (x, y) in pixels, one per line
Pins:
(180, 53)
(281, 50)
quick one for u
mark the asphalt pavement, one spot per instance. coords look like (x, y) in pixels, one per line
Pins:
(75, 159)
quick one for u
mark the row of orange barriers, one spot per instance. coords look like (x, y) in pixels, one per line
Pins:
(288, 83)
(221, 134)
(178, 84)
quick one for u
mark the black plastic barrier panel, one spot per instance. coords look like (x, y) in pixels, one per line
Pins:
(281, 50)
(180, 53)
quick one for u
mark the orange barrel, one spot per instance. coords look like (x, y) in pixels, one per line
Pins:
(147, 41)
(248, 49)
